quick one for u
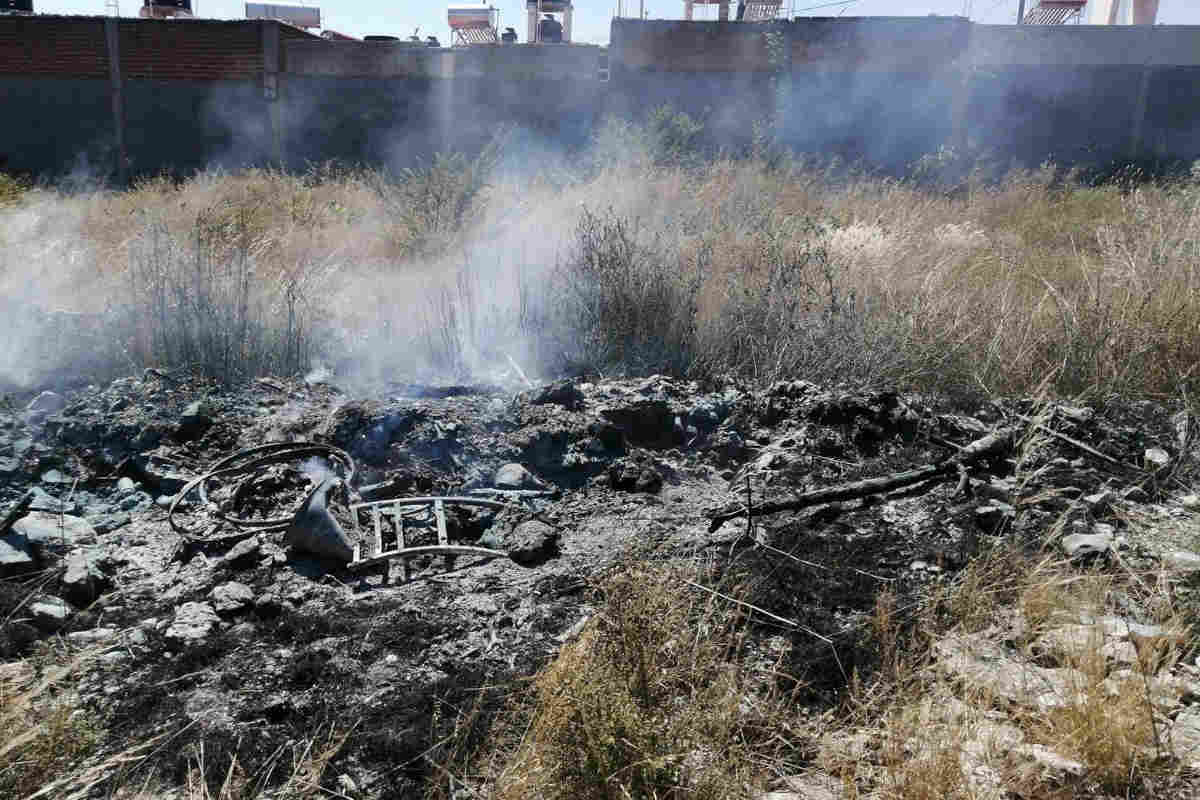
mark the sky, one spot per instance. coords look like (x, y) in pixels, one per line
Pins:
(591, 17)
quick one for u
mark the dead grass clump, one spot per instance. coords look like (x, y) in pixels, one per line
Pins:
(659, 697)
(11, 190)
(53, 740)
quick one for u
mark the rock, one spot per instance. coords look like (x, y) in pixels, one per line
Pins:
(1100, 501)
(93, 636)
(1190, 501)
(126, 485)
(630, 476)
(532, 542)
(135, 501)
(54, 476)
(1135, 494)
(314, 530)
(1156, 458)
(1181, 560)
(982, 664)
(16, 555)
(243, 554)
(1052, 765)
(46, 403)
(562, 393)
(1084, 545)
(85, 578)
(995, 516)
(195, 420)
(1185, 736)
(515, 476)
(160, 481)
(1068, 644)
(54, 532)
(107, 523)
(193, 623)
(1080, 416)
(46, 502)
(50, 613)
(231, 597)
(818, 786)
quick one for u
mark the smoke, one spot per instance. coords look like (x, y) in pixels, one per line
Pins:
(432, 268)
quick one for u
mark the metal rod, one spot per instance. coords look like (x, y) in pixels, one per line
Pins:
(400, 543)
(439, 511)
(432, 549)
(378, 530)
(1020, 12)
(427, 501)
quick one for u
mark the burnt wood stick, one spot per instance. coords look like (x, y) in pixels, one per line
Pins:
(994, 444)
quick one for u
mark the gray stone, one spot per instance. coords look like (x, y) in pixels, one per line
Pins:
(85, 578)
(47, 403)
(126, 485)
(1190, 501)
(193, 623)
(1135, 494)
(314, 530)
(815, 786)
(93, 636)
(1081, 415)
(54, 531)
(1069, 643)
(1156, 458)
(1099, 501)
(995, 516)
(9, 466)
(1052, 764)
(231, 597)
(1081, 545)
(50, 613)
(195, 420)
(134, 501)
(107, 523)
(515, 476)
(54, 476)
(1182, 560)
(42, 501)
(532, 542)
(1185, 736)
(243, 554)
(16, 555)
(982, 664)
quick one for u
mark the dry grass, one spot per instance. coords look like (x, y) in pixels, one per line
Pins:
(659, 697)
(764, 268)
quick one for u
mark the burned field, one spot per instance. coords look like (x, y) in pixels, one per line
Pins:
(221, 640)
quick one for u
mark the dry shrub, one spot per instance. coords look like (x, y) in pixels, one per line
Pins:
(660, 697)
(759, 267)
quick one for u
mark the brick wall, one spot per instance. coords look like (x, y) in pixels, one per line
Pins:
(195, 50)
(191, 50)
(59, 47)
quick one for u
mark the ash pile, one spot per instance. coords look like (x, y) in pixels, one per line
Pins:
(238, 566)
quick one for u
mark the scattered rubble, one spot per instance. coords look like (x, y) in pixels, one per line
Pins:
(314, 556)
